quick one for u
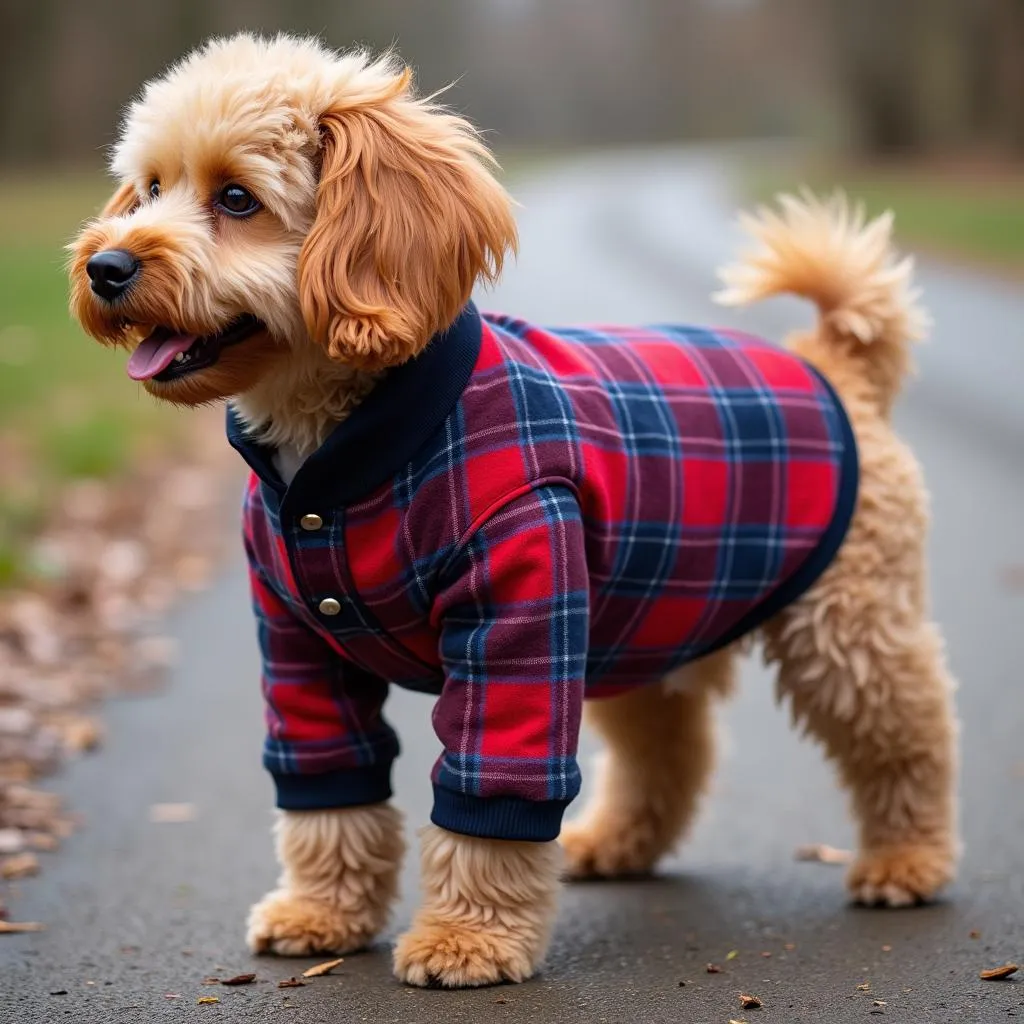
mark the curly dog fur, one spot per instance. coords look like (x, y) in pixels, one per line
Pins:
(378, 213)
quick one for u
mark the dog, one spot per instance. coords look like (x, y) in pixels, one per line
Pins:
(512, 517)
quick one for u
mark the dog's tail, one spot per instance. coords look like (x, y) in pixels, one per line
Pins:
(826, 251)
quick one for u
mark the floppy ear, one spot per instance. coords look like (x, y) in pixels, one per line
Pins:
(124, 200)
(408, 217)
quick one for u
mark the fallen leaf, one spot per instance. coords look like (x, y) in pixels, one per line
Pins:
(732, 1020)
(17, 927)
(995, 973)
(820, 853)
(11, 840)
(766, 954)
(974, 934)
(501, 1001)
(713, 969)
(171, 814)
(82, 735)
(732, 954)
(59, 992)
(211, 980)
(324, 968)
(878, 1002)
(790, 946)
(865, 987)
(21, 865)
(887, 949)
(290, 983)
(240, 979)
(172, 995)
(207, 1000)
(42, 841)
(749, 1002)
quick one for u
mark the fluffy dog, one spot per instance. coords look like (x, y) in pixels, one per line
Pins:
(299, 233)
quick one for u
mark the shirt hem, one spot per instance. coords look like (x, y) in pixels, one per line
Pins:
(828, 546)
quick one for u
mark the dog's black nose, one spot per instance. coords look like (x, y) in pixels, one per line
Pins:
(111, 272)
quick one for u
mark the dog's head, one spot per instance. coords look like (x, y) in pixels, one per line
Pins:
(275, 196)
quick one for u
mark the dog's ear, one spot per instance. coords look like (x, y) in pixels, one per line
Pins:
(124, 200)
(408, 218)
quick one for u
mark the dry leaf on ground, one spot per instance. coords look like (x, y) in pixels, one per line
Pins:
(21, 865)
(996, 973)
(17, 927)
(207, 1000)
(713, 969)
(240, 979)
(11, 840)
(749, 1002)
(821, 853)
(81, 734)
(171, 814)
(324, 968)
(290, 983)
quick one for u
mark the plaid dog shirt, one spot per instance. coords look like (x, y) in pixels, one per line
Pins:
(516, 519)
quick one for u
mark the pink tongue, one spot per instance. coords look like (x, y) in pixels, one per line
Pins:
(154, 355)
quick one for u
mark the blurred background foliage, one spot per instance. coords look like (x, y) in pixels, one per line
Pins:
(882, 76)
(914, 104)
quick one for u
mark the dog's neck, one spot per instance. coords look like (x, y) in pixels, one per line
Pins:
(301, 402)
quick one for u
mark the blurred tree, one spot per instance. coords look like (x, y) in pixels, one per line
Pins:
(877, 44)
(927, 75)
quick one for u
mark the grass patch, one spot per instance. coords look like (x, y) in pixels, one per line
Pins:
(67, 408)
(975, 215)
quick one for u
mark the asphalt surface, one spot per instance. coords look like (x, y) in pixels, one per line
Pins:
(138, 912)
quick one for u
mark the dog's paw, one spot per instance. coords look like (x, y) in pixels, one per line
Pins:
(593, 851)
(292, 925)
(900, 876)
(436, 954)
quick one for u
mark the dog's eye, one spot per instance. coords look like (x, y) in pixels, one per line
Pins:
(236, 201)
(154, 188)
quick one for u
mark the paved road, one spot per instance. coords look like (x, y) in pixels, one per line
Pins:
(139, 910)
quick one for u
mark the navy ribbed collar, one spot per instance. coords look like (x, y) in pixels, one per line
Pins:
(384, 431)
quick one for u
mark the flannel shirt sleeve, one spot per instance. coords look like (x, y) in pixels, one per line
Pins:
(327, 742)
(513, 625)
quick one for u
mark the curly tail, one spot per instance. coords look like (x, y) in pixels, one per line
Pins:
(826, 251)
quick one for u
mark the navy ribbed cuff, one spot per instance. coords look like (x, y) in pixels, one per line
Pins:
(346, 787)
(498, 817)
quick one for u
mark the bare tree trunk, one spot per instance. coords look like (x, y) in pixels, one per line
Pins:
(1008, 62)
(877, 47)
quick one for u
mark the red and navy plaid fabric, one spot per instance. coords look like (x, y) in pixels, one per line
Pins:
(517, 519)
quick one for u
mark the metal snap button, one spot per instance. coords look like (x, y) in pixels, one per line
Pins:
(330, 606)
(311, 521)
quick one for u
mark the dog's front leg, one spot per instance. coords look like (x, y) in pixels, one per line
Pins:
(339, 877)
(487, 913)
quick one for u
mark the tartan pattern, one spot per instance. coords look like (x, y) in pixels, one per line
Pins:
(597, 507)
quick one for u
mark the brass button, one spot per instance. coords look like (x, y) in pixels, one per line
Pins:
(311, 521)
(329, 606)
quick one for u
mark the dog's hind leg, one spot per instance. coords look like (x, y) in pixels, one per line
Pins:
(864, 671)
(659, 754)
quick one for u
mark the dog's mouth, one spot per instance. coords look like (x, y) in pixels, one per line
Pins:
(166, 355)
